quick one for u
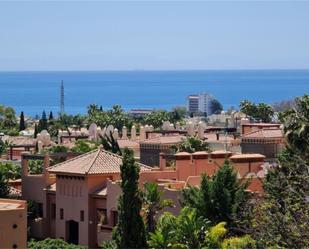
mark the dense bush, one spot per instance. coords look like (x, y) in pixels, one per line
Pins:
(52, 244)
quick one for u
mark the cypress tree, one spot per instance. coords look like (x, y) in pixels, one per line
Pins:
(43, 124)
(130, 231)
(51, 116)
(35, 131)
(22, 125)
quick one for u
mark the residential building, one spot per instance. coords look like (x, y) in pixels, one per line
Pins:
(78, 198)
(200, 103)
(204, 103)
(247, 127)
(193, 104)
(268, 142)
(13, 223)
(150, 149)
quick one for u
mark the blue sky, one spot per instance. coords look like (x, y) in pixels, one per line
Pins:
(153, 35)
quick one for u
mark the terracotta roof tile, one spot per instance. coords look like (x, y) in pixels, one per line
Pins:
(20, 140)
(164, 140)
(264, 133)
(94, 162)
(127, 143)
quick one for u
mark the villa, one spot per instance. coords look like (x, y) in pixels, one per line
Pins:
(77, 199)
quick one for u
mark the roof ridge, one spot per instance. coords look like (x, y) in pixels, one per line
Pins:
(72, 159)
(87, 163)
(121, 157)
(95, 158)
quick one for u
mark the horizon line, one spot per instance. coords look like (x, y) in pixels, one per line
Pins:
(154, 70)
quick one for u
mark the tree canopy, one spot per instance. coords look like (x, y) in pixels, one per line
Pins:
(215, 107)
(191, 144)
(52, 244)
(259, 111)
(8, 121)
(219, 197)
(282, 216)
(296, 125)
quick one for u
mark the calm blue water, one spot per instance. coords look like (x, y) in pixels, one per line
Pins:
(34, 91)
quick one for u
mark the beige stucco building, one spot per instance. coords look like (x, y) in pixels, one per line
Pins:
(13, 223)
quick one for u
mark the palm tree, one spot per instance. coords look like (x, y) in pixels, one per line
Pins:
(153, 203)
(188, 230)
(296, 125)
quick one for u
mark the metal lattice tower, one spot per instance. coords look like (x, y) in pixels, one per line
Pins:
(62, 98)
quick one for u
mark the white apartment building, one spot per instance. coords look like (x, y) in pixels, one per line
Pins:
(204, 103)
(200, 103)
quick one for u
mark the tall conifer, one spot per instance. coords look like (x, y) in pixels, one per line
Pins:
(22, 125)
(43, 124)
(130, 231)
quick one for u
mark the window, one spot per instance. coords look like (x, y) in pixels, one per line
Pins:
(53, 211)
(14, 246)
(115, 217)
(40, 209)
(102, 216)
(61, 213)
(82, 215)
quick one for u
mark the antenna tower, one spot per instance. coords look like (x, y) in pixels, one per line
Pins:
(62, 98)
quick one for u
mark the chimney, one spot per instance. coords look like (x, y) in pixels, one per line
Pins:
(162, 161)
(183, 165)
(24, 164)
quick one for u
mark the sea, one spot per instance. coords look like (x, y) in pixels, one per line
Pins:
(33, 92)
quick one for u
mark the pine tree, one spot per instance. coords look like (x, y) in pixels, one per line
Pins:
(22, 125)
(282, 217)
(130, 231)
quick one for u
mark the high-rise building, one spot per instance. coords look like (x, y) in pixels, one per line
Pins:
(204, 103)
(192, 106)
(200, 103)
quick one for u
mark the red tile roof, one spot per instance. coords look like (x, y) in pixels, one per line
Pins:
(264, 133)
(262, 124)
(20, 140)
(94, 162)
(127, 143)
(165, 140)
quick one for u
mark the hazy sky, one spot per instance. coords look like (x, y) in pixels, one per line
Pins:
(117, 35)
